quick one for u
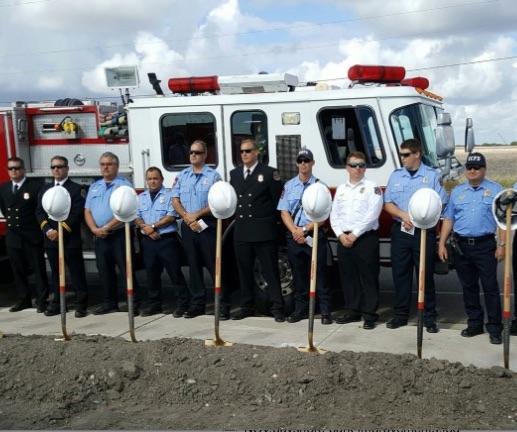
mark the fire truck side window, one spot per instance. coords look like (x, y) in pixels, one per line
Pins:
(179, 131)
(249, 124)
(346, 130)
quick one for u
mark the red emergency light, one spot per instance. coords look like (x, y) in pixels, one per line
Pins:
(194, 84)
(417, 82)
(378, 74)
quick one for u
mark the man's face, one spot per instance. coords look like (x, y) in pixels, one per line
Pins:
(304, 165)
(410, 160)
(356, 168)
(58, 169)
(475, 174)
(15, 170)
(109, 168)
(249, 154)
(197, 155)
(154, 181)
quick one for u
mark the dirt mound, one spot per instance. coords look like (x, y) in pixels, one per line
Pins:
(104, 383)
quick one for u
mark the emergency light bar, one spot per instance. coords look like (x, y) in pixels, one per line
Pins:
(417, 82)
(377, 74)
(194, 84)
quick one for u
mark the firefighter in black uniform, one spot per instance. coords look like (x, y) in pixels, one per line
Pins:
(72, 242)
(24, 241)
(258, 188)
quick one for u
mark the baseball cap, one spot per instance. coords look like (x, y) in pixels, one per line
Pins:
(305, 154)
(475, 159)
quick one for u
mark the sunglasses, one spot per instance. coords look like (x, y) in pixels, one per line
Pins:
(14, 168)
(196, 152)
(53, 167)
(357, 165)
(300, 161)
(475, 168)
(246, 150)
(405, 155)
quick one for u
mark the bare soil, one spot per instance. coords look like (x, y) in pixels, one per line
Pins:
(93, 382)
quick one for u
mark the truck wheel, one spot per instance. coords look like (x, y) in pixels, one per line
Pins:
(286, 283)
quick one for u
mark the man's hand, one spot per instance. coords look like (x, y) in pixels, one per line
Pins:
(500, 253)
(298, 235)
(53, 235)
(442, 253)
(190, 218)
(100, 233)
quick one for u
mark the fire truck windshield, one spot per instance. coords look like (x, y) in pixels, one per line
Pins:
(419, 122)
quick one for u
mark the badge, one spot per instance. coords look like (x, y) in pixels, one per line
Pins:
(488, 193)
(26, 196)
(205, 181)
(361, 190)
(425, 180)
(162, 200)
(461, 197)
(260, 178)
(276, 175)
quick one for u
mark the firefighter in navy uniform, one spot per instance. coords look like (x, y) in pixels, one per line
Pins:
(298, 235)
(72, 242)
(258, 188)
(24, 241)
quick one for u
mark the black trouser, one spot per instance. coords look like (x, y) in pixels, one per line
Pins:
(478, 263)
(200, 252)
(160, 254)
(405, 258)
(20, 259)
(514, 270)
(110, 254)
(359, 269)
(300, 258)
(75, 262)
(267, 254)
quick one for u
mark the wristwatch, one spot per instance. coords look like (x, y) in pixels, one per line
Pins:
(153, 226)
(304, 230)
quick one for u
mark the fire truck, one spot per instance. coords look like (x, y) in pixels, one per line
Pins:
(375, 113)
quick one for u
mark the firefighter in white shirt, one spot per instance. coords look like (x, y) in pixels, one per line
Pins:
(355, 219)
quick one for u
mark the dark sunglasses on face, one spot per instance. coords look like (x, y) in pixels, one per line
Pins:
(475, 168)
(246, 150)
(300, 161)
(405, 155)
(196, 152)
(53, 167)
(357, 165)
(14, 168)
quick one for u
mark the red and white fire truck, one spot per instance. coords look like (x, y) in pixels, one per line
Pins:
(378, 111)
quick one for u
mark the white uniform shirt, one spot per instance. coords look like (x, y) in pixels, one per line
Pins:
(356, 208)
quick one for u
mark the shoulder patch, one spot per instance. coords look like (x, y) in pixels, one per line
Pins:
(440, 181)
(283, 192)
(83, 192)
(175, 181)
(377, 190)
(276, 175)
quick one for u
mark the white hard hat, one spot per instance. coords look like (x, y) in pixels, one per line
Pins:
(222, 200)
(317, 202)
(124, 203)
(425, 208)
(505, 198)
(56, 201)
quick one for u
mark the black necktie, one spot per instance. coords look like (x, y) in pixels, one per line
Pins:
(248, 172)
(57, 184)
(15, 189)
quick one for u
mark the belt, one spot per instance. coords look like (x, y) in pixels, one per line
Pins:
(166, 235)
(474, 240)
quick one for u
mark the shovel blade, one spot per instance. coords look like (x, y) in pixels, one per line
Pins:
(312, 349)
(217, 342)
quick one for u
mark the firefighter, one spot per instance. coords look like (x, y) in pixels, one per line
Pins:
(355, 221)
(156, 220)
(299, 242)
(24, 241)
(198, 226)
(72, 242)
(405, 238)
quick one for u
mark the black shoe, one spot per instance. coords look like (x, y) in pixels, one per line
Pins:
(432, 327)
(192, 313)
(472, 331)
(178, 312)
(224, 314)
(296, 316)
(326, 319)
(52, 310)
(513, 328)
(395, 323)
(19, 307)
(150, 311)
(346, 319)
(369, 325)
(103, 310)
(241, 314)
(81, 313)
(41, 307)
(496, 339)
(279, 317)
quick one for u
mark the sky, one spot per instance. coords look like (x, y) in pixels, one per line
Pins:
(53, 49)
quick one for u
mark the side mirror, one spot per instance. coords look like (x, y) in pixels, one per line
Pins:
(469, 136)
(444, 136)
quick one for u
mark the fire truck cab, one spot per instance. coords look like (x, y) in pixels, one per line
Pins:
(378, 111)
